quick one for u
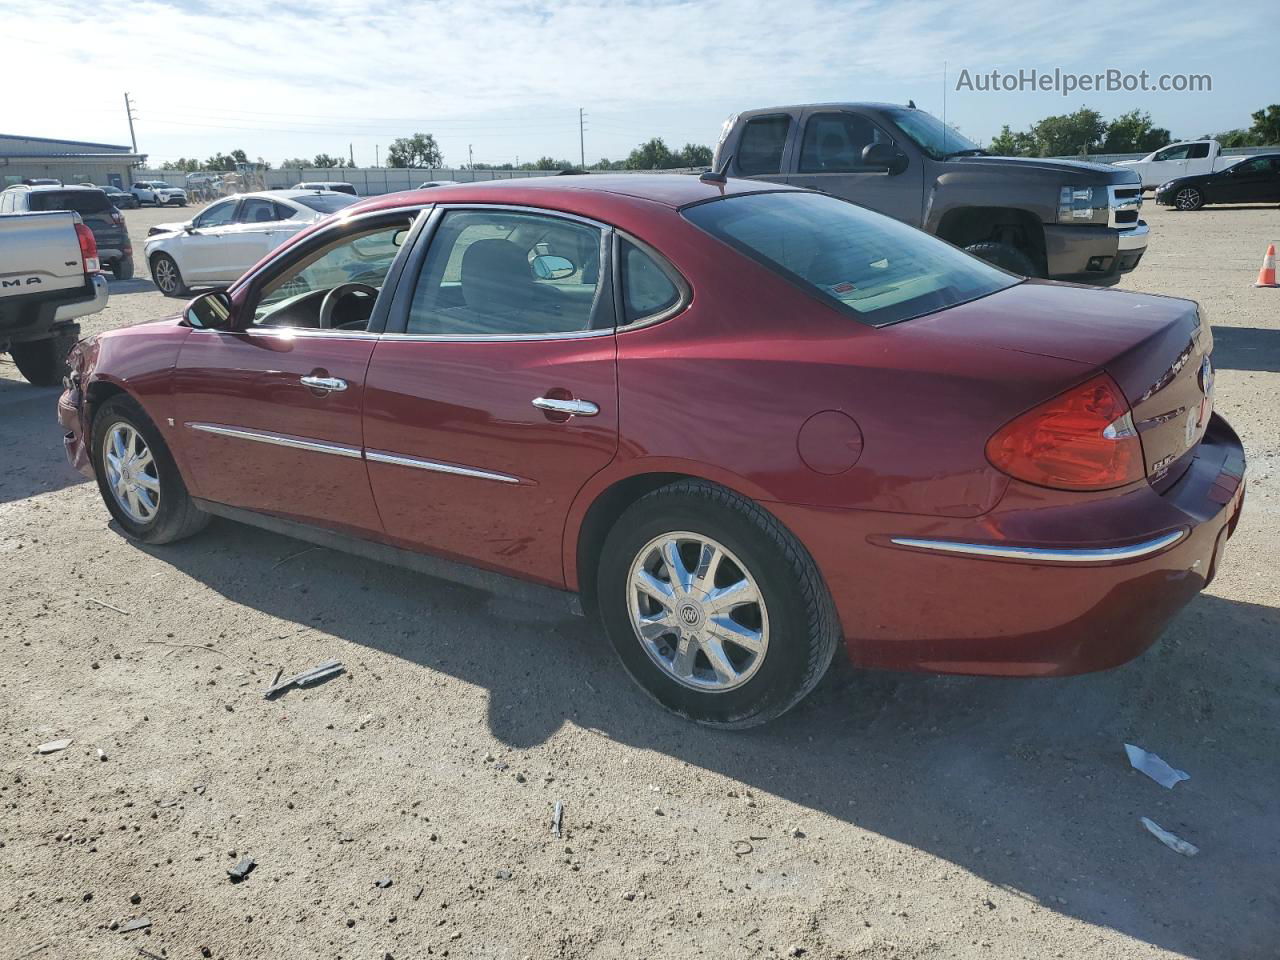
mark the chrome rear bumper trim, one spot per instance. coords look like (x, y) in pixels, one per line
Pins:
(1130, 551)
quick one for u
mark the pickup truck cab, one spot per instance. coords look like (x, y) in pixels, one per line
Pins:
(1189, 158)
(159, 193)
(49, 277)
(1061, 219)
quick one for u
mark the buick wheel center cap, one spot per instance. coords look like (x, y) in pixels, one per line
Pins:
(690, 615)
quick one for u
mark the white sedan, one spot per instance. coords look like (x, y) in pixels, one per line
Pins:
(228, 237)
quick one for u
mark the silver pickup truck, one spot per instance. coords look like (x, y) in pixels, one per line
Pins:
(49, 277)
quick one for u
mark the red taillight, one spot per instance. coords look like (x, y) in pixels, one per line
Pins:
(88, 249)
(117, 218)
(1083, 439)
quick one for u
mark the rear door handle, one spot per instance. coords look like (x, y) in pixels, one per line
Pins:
(327, 384)
(574, 408)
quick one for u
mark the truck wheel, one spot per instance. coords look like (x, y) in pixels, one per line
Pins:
(122, 269)
(167, 276)
(1188, 198)
(1006, 257)
(713, 607)
(43, 362)
(137, 477)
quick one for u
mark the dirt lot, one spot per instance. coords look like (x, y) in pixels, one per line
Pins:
(890, 816)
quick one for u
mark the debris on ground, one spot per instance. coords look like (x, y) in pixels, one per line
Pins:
(383, 882)
(102, 755)
(109, 606)
(557, 820)
(503, 875)
(330, 668)
(53, 746)
(137, 923)
(742, 847)
(1172, 841)
(241, 869)
(1154, 767)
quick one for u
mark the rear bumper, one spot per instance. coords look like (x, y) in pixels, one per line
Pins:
(1078, 606)
(95, 303)
(1094, 255)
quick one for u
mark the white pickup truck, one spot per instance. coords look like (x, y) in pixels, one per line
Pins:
(1188, 158)
(49, 276)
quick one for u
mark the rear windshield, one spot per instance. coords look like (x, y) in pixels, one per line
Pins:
(875, 269)
(326, 203)
(81, 201)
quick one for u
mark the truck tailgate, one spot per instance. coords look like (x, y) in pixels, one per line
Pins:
(39, 253)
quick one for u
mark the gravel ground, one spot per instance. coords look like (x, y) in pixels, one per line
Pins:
(892, 815)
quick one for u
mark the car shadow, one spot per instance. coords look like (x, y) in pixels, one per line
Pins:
(29, 423)
(122, 288)
(1246, 348)
(1021, 782)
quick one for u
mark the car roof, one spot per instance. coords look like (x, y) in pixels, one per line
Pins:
(47, 187)
(673, 190)
(796, 107)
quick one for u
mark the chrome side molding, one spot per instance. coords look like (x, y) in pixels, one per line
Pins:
(1130, 551)
(400, 460)
(278, 439)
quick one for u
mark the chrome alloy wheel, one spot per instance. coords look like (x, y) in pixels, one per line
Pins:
(698, 612)
(1188, 198)
(131, 472)
(165, 275)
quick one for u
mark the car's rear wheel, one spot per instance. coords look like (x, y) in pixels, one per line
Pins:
(714, 608)
(1188, 198)
(1006, 256)
(43, 362)
(138, 478)
(167, 276)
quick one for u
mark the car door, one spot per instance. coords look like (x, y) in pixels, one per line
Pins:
(1249, 181)
(271, 409)
(1169, 163)
(257, 231)
(763, 148)
(204, 250)
(491, 398)
(829, 159)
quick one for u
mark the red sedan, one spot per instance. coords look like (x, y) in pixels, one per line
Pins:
(742, 423)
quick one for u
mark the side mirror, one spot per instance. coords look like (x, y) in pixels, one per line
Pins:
(884, 155)
(209, 311)
(548, 267)
(189, 227)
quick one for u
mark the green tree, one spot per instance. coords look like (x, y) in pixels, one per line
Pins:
(1071, 133)
(1010, 143)
(1266, 126)
(183, 164)
(420, 150)
(694, 155)
(325, 161)
(1133, 132)
(298, 162)
(654, 155)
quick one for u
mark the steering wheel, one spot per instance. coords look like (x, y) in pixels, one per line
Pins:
(330, 301)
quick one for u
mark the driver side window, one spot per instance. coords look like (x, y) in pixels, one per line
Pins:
(299, 296)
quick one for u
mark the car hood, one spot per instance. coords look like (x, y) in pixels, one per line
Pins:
(165, 228)
(1083, 172)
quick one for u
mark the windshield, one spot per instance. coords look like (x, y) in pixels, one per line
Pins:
(326, 203)
(930, 134)
(871, 267)
(81, 201)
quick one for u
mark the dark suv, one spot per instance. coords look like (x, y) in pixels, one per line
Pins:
(115, 251)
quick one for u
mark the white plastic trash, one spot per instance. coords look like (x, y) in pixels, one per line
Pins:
(1173, 842)
(1154, 767)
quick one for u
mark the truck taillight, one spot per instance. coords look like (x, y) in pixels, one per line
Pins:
(88, 249)
(117, 218)
(1083, 439)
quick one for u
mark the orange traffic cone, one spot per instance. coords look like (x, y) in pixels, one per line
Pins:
(1267, 275)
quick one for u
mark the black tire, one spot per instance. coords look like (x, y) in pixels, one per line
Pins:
(166, 276)
(176, 516)
(1005, 256)
(122, 269)
(43, 362)
(1188, 199)
(803, 626)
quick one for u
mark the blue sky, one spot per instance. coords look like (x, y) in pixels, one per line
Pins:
(507, 78)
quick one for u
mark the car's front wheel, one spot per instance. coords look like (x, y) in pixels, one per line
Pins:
(1188, 198)
(714, 608)
(167, 276)
(138, 478)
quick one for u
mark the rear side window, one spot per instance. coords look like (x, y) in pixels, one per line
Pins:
(761, 146)
(257, 210)
(833, 143)
(284, 213)
(866, 265)
(81, 201)
(1198, 151)
(647, 290)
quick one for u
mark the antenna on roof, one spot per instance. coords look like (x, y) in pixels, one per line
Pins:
(911, 104)
(717, 176)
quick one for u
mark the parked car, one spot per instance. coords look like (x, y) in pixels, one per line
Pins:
(49, 277)
(121, 199)
(115, 249)
(1062, 219)
(428, 184)
(793, 421)
(336, 186)
(1187, 158)
(1253, 180)
(226, 238)
(160, 193)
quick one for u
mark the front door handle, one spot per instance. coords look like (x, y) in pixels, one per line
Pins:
(325, 384)
(574, 408)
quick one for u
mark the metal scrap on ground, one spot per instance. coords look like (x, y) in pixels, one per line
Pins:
(241, 869)
(1172, 841)
(1154, 767)
(138, 923)
(324, 671)
(557, 819)
(53, 746)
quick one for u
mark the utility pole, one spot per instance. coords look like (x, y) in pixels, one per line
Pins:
(375, 154)
(471, 161)
(128, 109)
(582, 142)
(351, 152)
